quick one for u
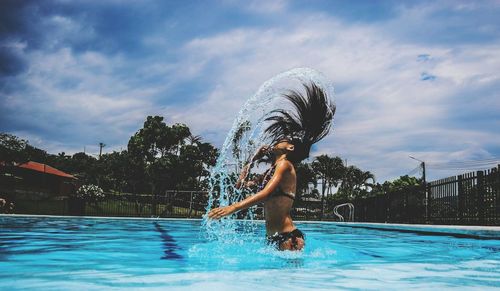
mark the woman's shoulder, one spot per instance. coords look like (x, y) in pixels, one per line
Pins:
(285, 165)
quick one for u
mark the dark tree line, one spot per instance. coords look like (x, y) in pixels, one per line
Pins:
(158, 157)
(163, 157)
(333, 175)
(340, 181)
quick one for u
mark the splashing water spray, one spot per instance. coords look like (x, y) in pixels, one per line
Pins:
(244, 138)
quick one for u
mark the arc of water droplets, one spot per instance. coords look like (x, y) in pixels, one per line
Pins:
(221, 184)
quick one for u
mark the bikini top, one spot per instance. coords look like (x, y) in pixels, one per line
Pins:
(268, 174)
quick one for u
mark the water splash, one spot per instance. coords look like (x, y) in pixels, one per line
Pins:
(244, 138)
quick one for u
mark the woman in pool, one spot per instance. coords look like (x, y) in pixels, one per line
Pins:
(292, 135)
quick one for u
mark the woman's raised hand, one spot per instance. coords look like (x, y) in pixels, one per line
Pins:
(218, 213)
(261, 152)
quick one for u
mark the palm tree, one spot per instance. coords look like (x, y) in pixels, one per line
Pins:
(194, 139)
(241, 132)
(365, 178)
(330, 171)
(305, 176)
(355, 180)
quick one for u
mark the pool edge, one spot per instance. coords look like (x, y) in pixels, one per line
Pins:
(492, 232)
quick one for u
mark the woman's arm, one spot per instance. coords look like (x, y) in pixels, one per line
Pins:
(246, 169)
(281, 168)
(243, 175)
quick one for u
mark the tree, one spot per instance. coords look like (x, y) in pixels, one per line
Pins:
(12, 149)
(243, 128)
(401, 183)
(405, 181)
(158, 157)
(154, 147)
(194, 139)
(330, 171)
(170, 156)
(305, 176)
(114, 172)
(355, 182)
(35, 154)
(208, 155)
(85, 168)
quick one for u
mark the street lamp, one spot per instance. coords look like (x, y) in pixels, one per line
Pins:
(425, 187)
(423, 167)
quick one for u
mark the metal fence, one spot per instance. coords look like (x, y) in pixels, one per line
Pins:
(402, 206)
(307, 209)
(471, 198)
(181, 204)
(467, 199)
(170, 204)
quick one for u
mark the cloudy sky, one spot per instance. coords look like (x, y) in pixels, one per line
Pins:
(418, 78)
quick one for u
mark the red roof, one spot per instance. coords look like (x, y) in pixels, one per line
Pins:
(45, 169)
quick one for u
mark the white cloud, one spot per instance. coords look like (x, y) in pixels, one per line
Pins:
(264, 6)
(81, 91)
(260, 6)
(385, 112)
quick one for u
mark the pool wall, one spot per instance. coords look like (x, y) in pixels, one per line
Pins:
(481, 232)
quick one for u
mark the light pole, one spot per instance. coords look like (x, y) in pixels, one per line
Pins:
(425, 187)
(101, 145)
(423, 167)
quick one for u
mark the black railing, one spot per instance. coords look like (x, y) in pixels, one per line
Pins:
(401, 206)
(471, 198)
(180, 204)
(308, 209)
(170, 204)
(467, 199)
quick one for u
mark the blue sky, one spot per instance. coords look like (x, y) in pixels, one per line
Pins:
(418, 78)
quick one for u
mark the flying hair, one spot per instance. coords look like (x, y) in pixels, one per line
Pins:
(309, 122)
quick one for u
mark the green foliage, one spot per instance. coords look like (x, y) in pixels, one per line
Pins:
(305, 176)
(163, 157)
(355, 183)
(12, 149)
(350, 181)
(401, 183)
(330, 170)
(115, 171)
(243, 128)
(90, 193)
(158, 157)
(170, 157)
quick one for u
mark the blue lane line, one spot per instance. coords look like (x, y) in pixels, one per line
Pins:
(169, 244)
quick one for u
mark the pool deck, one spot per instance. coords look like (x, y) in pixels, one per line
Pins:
(480, 232)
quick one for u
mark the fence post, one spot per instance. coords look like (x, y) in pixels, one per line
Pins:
(153, 205)
(168, 203)
(190, 204)
(426, 203)
(496, 191)
(480, 196)
(460, 198)
(387, 207)
(405, 218)
(428, 192)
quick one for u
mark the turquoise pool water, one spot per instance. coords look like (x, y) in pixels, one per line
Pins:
(52, 253)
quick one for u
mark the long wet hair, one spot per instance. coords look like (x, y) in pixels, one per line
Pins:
(309, 123)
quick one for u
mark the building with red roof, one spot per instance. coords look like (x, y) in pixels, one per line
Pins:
(33, 180)
(43, 168)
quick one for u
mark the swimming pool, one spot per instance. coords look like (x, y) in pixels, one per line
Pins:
(58, 253)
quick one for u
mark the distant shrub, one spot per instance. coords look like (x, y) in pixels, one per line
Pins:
(90, 193)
